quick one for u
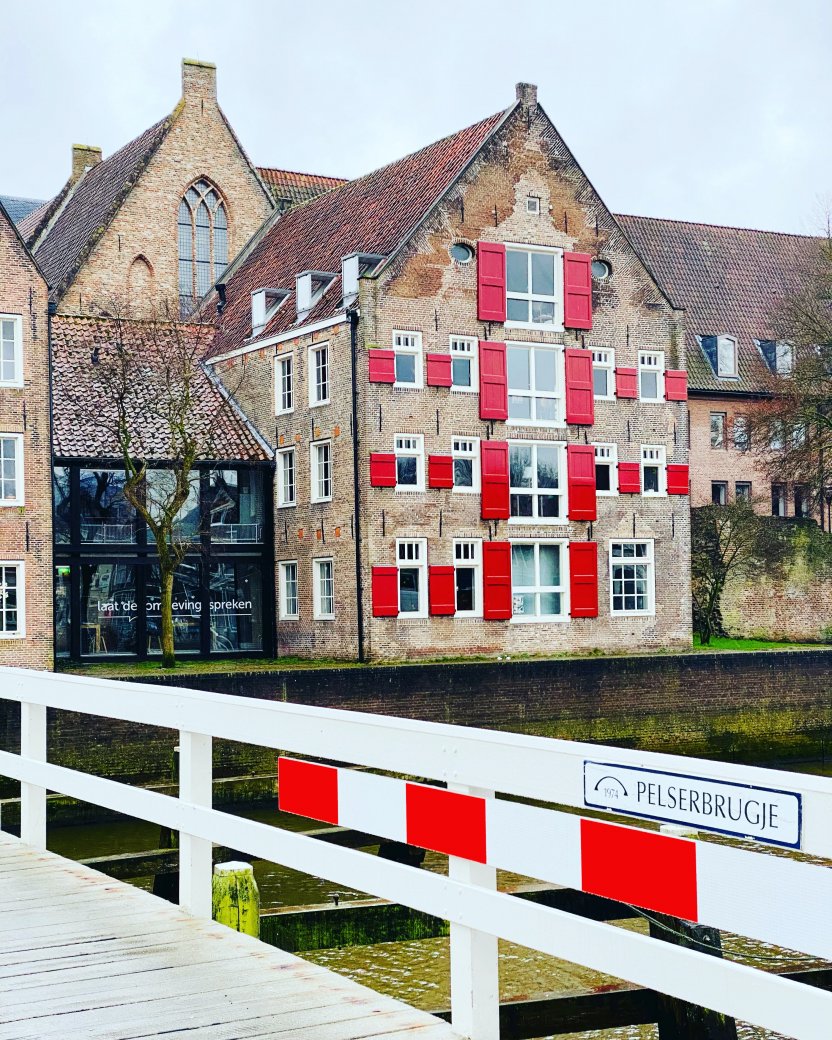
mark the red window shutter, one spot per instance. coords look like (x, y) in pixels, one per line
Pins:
(583, 579)
(439, 369)
(491, 281)
(580, 399)
(494, 471)
(675, 385)
(577, 290)
(441, 590)
(382, 470)
(629, 478)
(382, 366)
(493, 381)
(440, 471)
(678, 480)
(496, 581)
(626, 382)
(580, 470)
(385, 592)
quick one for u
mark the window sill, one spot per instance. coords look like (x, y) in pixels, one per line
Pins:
(407, 386)
(606, 397)
(320, 501)
(409, 490)
(323, 617)
(463, 389)
(654, 494)
(286, 411)
(534, 326)
(11, 385)
(606, 494)
(633, 613)
(8, 503)
(544, 619)
(12, 635)
(466, 615)
(533, 521)
(465, 490)
(287, 505)
(318, 404)
(539, 424)
(651, 400)
(288, 617)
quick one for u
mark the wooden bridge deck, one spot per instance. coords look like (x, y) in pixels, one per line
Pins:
(82, 955)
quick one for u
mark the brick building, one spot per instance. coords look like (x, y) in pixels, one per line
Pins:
(25, 461)
(476, 392)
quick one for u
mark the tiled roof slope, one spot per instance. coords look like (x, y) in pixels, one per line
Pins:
(297, 187)
(74, 339)
(18, 208)
(90, 206)
(372, 214)
(729, 281)
(33, 223)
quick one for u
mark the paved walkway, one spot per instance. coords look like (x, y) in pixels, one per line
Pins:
(83, 956)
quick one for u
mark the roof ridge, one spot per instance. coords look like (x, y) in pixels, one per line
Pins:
(720, 227)
(303, 173)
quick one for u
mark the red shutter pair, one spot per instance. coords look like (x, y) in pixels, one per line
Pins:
(385, 591)
(491, 286)
(583, 580)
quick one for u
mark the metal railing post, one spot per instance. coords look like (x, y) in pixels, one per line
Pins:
(195, 783)
(32, 797)
(475, 984)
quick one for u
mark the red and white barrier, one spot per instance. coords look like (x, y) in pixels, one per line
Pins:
(762, 896)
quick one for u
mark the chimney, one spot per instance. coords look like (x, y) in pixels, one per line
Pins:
(527, 96)
(199, 79)
(84, 156)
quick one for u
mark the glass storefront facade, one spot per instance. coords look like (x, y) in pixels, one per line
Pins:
(107, 582)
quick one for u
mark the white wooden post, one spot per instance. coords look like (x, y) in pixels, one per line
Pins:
(32, 797)
(195, 777)
(475, 983)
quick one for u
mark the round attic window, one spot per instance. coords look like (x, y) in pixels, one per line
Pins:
(601, 270)
(462, 253)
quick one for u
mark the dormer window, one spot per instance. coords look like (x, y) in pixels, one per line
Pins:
(721, 352)
(355, 266)
(309, 288)
(777, 354)
(264, 305)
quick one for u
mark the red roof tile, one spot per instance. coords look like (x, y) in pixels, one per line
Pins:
(297, 187)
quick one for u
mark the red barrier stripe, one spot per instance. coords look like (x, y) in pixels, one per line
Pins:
(650, 870)
(446, 821)
(307, 789)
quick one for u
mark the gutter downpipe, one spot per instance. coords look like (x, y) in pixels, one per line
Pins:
(353, 315)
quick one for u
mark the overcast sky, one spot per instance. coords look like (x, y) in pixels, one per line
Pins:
(711, 110)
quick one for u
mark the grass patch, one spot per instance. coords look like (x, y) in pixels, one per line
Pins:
(727, 643)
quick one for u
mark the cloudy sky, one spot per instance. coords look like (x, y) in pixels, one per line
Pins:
(712, 110)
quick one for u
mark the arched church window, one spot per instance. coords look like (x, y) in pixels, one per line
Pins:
(203, 243)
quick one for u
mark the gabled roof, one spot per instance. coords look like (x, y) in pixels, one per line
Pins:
(14, 231)
(729, 280)
(33, 223)
(293, 187)
(82, 427)
(373, 214)
(18, 208)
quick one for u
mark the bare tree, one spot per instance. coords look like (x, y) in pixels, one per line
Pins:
(152, 402)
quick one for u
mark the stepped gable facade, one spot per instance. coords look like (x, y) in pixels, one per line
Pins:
(476, 391)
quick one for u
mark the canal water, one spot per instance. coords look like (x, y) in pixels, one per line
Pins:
(417, 971)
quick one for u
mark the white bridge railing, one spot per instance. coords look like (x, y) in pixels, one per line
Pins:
(785, 901)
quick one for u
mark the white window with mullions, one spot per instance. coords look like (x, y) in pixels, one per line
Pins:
(11, 469)
(286, 478)
(321, 482)
(538, 581)
(284, 384)
(534, 287)
(537, 482)
(407, 347)
(287, 590)
(468, 577)
(465, 452)
(606, 469)
(651, 375)
(12, 600)
(603, 374)
(535, 384)
(632, 578)
(410, 462)
(319, 374)
(411, 560)
(11, 350)
(463, 363)
(323, 590)
(653, 470)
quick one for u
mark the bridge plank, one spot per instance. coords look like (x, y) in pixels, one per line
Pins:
(84, 956)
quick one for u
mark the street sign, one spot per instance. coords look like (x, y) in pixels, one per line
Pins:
(762, 813)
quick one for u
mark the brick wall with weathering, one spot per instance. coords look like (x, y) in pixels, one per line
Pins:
(26, 530)
(424, 290)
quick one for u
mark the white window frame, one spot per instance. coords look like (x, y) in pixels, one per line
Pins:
(462, 547)
(652, 361)
(20, 567)
(312, 370)
(533, 205)
(563, 588)
(603, 358)
(414, 349)
(416, 450)
(473, 453)
(17, 323)
(283, 456)
(420, 565)
(720, 342)
(654, 455)
(316, 452)
(724, 444)
(284, 363)
(317, 567)
(283, 613)
(20, 494)
(607, 454)
(649, 560)
(557, 298)
(556, 395)
(561, 491)
(464, 347)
